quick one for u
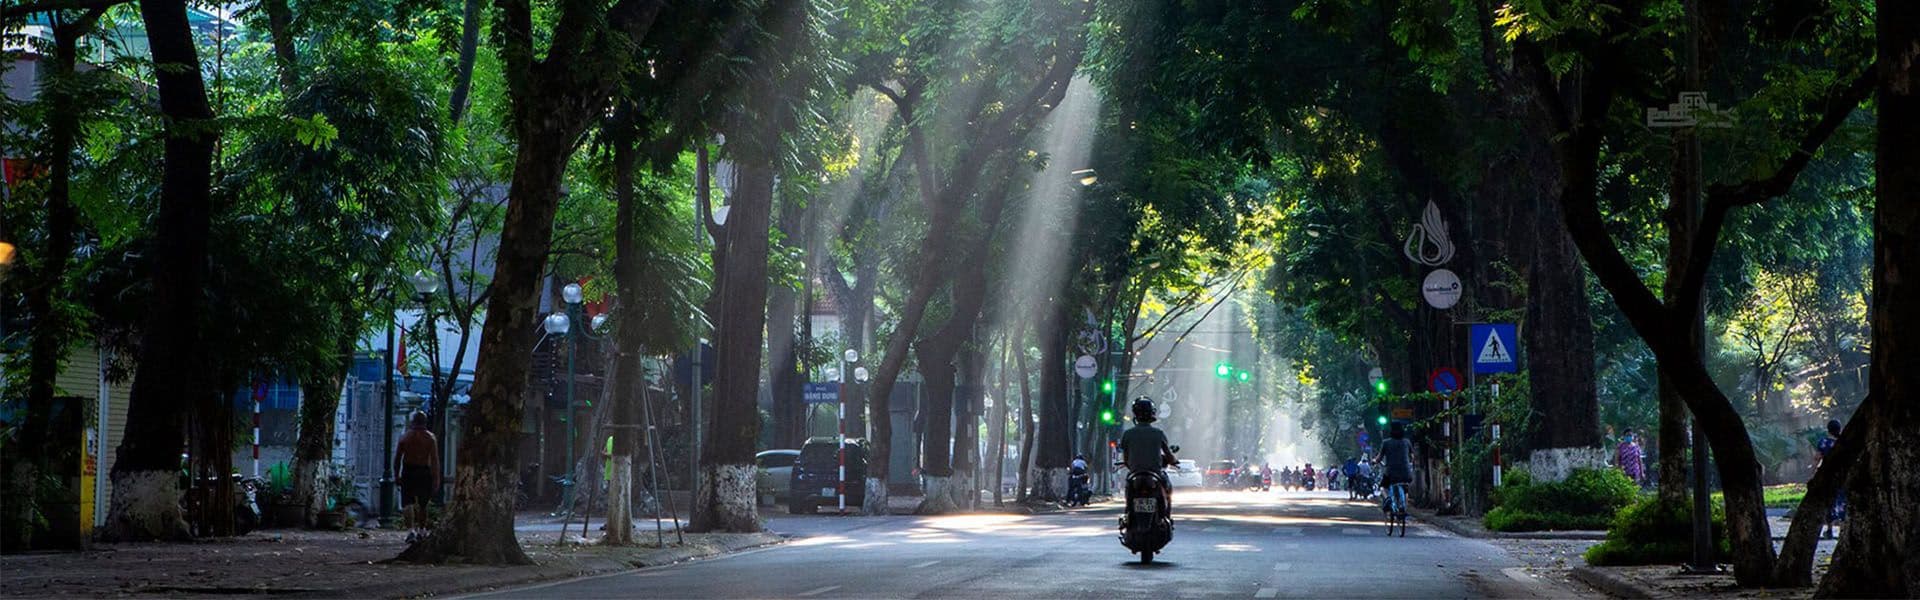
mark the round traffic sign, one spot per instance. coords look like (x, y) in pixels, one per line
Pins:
(1085, 367)
(1444, 381)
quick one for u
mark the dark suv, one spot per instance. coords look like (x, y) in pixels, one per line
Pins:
(816, 476)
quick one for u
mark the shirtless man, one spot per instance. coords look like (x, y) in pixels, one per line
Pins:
(417, 459)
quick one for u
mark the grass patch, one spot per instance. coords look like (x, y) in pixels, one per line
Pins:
(1786, 495)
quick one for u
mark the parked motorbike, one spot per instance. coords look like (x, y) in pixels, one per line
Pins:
(1147, 524)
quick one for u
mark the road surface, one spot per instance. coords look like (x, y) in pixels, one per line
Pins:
(1226, 545)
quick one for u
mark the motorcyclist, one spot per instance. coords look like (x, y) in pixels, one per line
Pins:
(1077, 477)
(1144, 447)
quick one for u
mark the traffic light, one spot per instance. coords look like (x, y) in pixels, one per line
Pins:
(1243, 375)
(1106, 416)
(1380, 388)
(1223, 370)
(1106, 386)
(1383, 420)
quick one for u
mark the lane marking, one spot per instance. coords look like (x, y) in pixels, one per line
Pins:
(1283, 567)
(1267, 593)
(816, 592)
(925, 564)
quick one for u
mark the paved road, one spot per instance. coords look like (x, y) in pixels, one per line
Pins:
(1226, 544)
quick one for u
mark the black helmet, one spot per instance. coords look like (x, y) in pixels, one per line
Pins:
(1143, 410)
(1833, 427)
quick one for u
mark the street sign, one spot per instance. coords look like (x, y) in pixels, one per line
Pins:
(1441, 289)
(1403, 413)
(1084, 366)
(820, 393)
(1374, 375)
(1491, 347)
(1444, 381)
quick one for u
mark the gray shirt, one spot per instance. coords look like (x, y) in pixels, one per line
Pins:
(1142, 445)
(1397, 459)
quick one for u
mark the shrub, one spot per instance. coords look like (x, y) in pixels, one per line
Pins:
(1652, 532)
(1586, 499)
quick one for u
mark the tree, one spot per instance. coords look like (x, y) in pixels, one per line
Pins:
(170, 364)
(1579, 124)
(555, 96)
(1874, 559)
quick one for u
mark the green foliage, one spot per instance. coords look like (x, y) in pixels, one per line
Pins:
(1652, 532)
(1586, 499)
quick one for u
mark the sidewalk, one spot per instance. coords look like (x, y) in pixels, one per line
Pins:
(1557, 554)
(321, 564)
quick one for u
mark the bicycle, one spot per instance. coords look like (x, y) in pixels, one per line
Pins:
(1394, 504)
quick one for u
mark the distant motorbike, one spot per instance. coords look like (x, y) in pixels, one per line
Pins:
(1360, 487)
(1079, 490)
(1147, 524)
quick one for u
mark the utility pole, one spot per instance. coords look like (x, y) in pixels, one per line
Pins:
(1690, 202)
(703, 193)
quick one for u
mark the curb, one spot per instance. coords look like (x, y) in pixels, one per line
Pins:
(450, 584)
(1610, 584)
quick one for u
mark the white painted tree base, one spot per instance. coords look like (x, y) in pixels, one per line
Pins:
(145, 506)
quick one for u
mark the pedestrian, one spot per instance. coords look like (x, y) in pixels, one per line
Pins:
(1631, 459)
(416, 457)
(1821, 450)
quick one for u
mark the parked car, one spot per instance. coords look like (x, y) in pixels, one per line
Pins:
(816, 474)
(1219, 474)
(1184, 475)
(773, 475)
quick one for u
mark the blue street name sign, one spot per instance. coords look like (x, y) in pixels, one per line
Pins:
(821, 393)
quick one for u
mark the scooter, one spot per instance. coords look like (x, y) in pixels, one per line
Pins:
(1147, 524)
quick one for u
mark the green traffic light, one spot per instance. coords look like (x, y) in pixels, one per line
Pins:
(1106, 416)
(1245, 375)
(1223, 369)
(1383, 419)
(1380, 387)
(1106, 386)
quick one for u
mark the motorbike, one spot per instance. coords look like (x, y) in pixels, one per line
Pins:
(1360, 487)
(1146, 525)
(1079, 490)
(1307, 482)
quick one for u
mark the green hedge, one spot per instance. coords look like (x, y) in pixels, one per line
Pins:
(1651, 532)
(1587, 499)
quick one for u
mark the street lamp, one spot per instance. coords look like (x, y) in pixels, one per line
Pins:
(571, 294)
(424, 285)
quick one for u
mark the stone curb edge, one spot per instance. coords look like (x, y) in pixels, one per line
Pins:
(1476, 532)
(1610, 584)
(460, 583)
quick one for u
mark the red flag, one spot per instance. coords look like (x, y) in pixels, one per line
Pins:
(400, 353)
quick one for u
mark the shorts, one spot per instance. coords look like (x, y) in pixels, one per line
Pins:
(416, 484)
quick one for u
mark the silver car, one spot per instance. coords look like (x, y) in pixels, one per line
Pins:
(1184, 475)
(773, 473)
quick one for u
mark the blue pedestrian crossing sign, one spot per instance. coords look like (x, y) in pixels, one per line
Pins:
(1491, 348)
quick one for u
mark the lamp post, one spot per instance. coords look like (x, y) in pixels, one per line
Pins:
(424, 285)
(561, 324)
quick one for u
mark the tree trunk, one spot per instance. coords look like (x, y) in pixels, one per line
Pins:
(784, 306)
(1877, 554)
(724, 497)
(280, 29)
(319, 400)
(937, 385)
(1053, 448)
(1559, 342)
(1026, 420)
(478, 526)
(626, 377)
(463, 71)
(997, 421)
(966, 431)
(171, 362)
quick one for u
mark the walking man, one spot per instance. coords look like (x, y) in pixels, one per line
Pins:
(417, 458)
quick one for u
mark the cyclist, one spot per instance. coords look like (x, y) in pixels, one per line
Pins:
(1396, 456)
